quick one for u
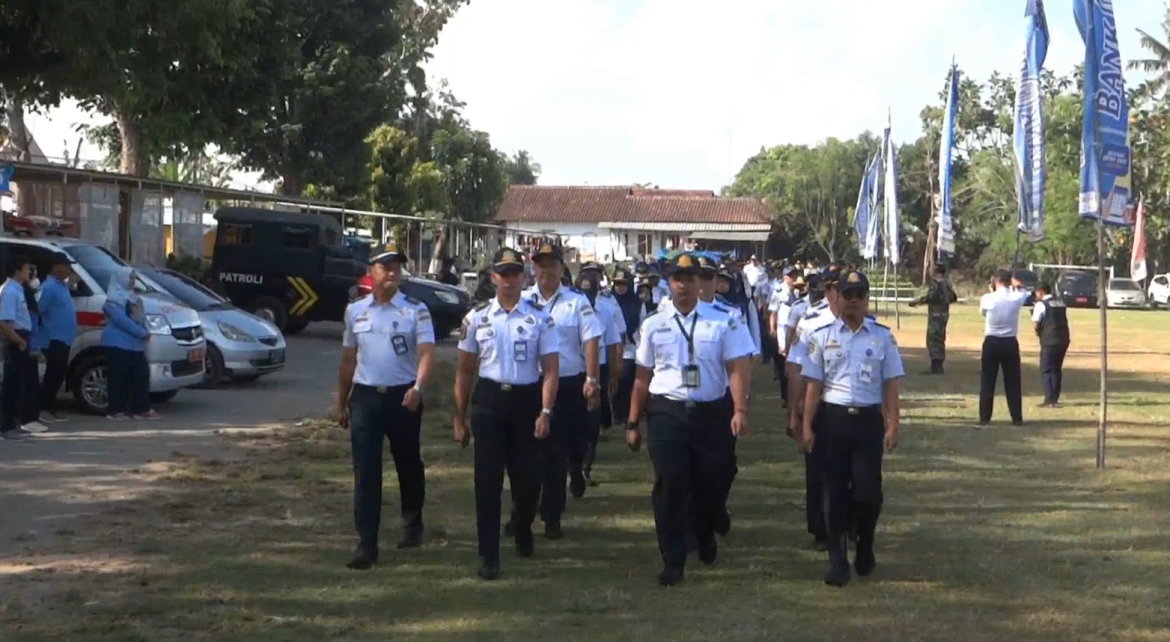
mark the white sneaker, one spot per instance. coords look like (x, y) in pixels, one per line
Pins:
(35, 427)
(51, 418)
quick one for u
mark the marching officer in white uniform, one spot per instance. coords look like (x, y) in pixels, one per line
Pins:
(688, 356)
(609, 314)
(579, 389)
(388, 349)
(513, 343)
(852, 368)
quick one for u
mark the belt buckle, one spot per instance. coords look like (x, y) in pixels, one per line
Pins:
(689, 404)
(381, 390)
(853, 411)
(505, 387)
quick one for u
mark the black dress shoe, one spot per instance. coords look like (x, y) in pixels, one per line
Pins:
(363, 559)
(723, 523)
(553, 530)
(525, 546)
(489, 570)
(412, 537)
(863, 560)
(669, 576)
(708, 551)
(577, 483)
(838, 574)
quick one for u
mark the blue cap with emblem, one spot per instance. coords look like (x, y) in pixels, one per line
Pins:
(507, 260)
(853, 281)
(387, 252)
(706, 265)
(682, 264)
(547, 251)
(829, 277)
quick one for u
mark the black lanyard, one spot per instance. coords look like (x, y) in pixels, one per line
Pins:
(551, 302)
(689, 337)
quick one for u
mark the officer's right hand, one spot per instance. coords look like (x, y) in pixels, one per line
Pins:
(542, 426)
(806, 439)
(634, 439)
(343, 416)
(462, 434)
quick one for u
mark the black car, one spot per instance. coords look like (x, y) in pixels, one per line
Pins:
(293, 268)
(1077, 290)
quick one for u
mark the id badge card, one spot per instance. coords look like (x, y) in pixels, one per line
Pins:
(691, 376)
(865, 372)
(399, 343)
(520, 351)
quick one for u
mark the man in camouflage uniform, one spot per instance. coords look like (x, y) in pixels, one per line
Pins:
(938, 299)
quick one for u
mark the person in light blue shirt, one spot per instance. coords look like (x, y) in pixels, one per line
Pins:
(852, 371)
(19, 365)
(59, 328)
(125, 339)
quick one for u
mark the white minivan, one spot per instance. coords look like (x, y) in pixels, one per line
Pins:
(177, 347)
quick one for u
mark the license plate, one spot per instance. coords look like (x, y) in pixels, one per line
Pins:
(1082, 299)
(195, 355)
(276, 356)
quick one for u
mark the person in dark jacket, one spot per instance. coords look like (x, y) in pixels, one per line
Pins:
(1050, 319)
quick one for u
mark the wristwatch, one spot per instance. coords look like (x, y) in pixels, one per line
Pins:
(418, 390)
(591, 380)
(546, 411)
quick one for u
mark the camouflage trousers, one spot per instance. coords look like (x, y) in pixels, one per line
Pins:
(936, 335)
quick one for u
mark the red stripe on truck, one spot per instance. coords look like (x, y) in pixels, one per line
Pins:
(90, 319)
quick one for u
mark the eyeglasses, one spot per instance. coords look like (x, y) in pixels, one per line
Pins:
(854, 296)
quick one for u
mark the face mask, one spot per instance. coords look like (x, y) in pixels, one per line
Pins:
(34, 283)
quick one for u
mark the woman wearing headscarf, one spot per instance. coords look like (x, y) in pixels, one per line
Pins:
(633, 312)
(125, 339)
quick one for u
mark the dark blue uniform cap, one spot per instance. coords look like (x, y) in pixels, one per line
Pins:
(547, 250)
(853, 281)
(707, 265)
(506, 260)
(682, 264)
(384, 252)
(829, 276)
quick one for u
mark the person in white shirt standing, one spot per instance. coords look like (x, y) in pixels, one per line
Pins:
(1001, 349)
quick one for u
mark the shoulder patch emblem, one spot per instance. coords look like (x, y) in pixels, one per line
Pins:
(483, 306)
(549, 323)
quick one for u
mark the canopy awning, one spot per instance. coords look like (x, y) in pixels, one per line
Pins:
(728, 236)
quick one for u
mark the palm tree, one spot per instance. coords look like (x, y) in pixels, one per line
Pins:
(1158, 64)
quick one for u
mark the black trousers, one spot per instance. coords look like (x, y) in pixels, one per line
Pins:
(1000, 353)
(693, 453)
(56, 367)
(814, 486)
(1052, 370)
(377, 415)
(598, 419)
(127, 381)
(782, 365)
(621, 401)
(503, 420)
(564, 447)
(849, 448)
(20, 377)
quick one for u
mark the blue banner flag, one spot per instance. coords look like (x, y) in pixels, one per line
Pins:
(893, 225)
(861, 212)
(866, 218)
(1029, 125)
(6, 172)
(945, 238)
(1105, 154)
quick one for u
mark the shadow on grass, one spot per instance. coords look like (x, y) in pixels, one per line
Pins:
(986, 535)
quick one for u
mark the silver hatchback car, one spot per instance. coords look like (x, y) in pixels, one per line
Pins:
(240, 345)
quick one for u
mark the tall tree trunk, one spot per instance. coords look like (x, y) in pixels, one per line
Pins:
(134, 160)
(290, 183)
(21, 141)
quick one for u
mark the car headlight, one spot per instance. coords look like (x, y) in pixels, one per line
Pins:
(157, 324)
(449, 298)
(232, 333)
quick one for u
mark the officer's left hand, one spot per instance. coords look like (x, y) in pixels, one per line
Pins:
(542, 426)
(412, 399)
(739, 423)
(615, 382)
(891, 440)
(591, 395)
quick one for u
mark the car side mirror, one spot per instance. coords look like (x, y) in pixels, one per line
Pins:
(78, 289)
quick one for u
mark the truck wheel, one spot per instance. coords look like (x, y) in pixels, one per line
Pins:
(295, 325)
(271, 310)
(87, 380)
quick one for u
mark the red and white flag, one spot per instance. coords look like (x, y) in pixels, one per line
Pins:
(1137, 256)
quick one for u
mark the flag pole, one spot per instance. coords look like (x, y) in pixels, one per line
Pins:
(890, 144)
(1103, 309)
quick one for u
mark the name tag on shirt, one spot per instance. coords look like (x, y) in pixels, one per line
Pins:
(399, 343)
(520, 350)
(691, 377)
(865, 372)
(362, 325)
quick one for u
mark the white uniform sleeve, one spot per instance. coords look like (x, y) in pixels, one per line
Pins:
(467, 341)
(348, 339)
(892, 364)
(812, 366)
(1038, 311)
(985, 304)
(644, 356)
(549, 342)
(794, 315)
(753, 321)
(736, 342)
(587, 321)
(619, 322)
(424, 326)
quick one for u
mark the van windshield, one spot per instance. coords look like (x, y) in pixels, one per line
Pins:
(102, 265)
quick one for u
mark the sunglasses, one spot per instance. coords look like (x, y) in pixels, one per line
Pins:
(854, 296)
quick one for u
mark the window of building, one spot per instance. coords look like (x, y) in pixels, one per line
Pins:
(644, 247)
(235, 234)
(300, 238)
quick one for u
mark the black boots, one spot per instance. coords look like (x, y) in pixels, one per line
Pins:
(936, 367)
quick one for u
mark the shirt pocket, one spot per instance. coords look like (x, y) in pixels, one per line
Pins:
(707, 344)
(666, 352)
(835, 362)
(485, 337)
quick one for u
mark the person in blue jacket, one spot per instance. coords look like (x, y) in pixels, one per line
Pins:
(59, 323)
(125, 339)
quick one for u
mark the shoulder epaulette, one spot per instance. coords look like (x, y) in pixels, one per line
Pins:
(413, 301)
(539, 307)
(720, 307)
(884, 327)
(483, 306)
(577, 290)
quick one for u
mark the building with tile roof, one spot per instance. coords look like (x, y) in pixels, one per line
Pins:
(620, 223)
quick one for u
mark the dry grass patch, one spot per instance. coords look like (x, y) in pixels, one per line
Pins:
(1005, 534)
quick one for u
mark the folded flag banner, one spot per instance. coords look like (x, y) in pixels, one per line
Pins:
(1029, 125)
(865, 221)
(893, 242)
(861, 212)
(1137, 255)
(1105, 153)
(945, 239)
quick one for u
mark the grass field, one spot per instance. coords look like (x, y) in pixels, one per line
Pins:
(1002, 534)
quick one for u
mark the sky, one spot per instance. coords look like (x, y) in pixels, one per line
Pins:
(680, 93)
